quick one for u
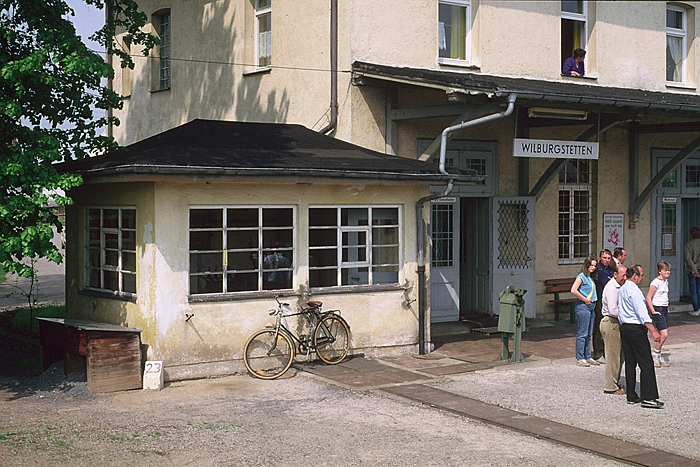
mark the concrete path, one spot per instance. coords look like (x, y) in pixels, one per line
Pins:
(436, 381)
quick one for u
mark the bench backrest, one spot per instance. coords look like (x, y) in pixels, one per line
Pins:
(559, 285)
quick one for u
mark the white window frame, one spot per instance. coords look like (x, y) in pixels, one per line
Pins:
(119, 269)
(369, 252)
(683, 35)
(164, 51)
(582, 18)
(571, 257)
(467, 5)
(258, 13)
(257, 252)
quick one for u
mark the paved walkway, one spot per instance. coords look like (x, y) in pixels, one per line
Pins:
(457, 350)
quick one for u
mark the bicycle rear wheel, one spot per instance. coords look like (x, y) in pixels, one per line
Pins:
(332, 339)
(268, 354)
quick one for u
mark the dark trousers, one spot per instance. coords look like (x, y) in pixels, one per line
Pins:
(635, 344)
(598, 344)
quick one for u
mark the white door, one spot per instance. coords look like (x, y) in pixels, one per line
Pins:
(513, 260)
(669, 244)
(444, 263)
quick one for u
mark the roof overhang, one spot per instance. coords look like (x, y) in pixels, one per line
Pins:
(568, 93)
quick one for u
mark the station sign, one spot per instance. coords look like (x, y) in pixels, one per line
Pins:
(554, 149)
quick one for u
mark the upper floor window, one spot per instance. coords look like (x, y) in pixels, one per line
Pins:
(160, 70)
(263, 33)
(454, 27)
(353, 246)
(238, 249)
(110, 250)
(574, 16)
(675, 43)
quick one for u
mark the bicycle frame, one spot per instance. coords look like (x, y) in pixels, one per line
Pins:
(303, 341)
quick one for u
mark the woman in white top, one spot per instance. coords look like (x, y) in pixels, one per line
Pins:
(657, 301)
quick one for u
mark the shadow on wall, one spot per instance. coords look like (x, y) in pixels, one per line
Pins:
(210, 85)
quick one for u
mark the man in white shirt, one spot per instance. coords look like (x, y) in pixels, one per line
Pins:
(619, 255)
(634, 324)
(610, 330)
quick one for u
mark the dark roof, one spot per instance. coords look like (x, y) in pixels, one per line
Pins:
(224, 148)
(532, 89)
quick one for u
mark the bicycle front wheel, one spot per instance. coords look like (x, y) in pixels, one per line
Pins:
(332, 339)
(268, 354)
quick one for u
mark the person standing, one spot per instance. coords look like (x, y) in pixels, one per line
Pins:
(610, 329)
(573, 66)
(583, 289)
(692, 260)
(634, 324)
(619, 255)
(657, 299)
(605, 273)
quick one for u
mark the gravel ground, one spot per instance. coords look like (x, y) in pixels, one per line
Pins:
(237, 420)
(563, 392)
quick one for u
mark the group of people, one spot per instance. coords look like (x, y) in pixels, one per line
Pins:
(613, 314)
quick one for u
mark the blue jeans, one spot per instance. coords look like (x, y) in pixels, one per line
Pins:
(585, 316)
(694, 286)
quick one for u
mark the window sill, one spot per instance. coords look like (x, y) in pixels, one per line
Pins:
(356, 289)
(229, 297)
(257, 71)
(674, 85)
(125, 297)
(458, 63)
(160, 90)
(585, 77)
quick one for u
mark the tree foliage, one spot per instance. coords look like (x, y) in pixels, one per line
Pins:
(50, 86)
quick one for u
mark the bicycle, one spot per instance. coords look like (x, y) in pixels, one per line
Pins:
(269, 352)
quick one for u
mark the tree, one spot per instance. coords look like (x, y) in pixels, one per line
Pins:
(50, 84)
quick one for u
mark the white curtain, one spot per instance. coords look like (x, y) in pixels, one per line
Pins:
(674, 58)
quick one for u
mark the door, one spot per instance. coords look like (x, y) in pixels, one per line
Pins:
(669, 243)
(513, 254)
(444, 268)
(691, 217)
(475, 257)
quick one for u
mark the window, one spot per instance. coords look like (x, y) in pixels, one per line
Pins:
(576, 211)
(110, 249)
(346, 249)
(454, 27)
(442, 222)
(160, 66)
(692, 175)
(263, 33)
(675, 44)
(241, 249)
(573, 27)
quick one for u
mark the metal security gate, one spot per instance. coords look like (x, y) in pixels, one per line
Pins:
(513, 260)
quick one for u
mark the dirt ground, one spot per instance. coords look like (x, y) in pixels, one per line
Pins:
(238, 420)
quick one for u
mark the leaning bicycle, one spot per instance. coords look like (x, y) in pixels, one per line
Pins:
(269, 352)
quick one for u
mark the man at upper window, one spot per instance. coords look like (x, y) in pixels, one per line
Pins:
(573, 66)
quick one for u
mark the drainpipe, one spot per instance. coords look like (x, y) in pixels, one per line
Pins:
(110, 83)
(334, 70)
(422, 336)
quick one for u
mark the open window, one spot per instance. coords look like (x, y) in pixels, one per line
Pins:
(574, 16)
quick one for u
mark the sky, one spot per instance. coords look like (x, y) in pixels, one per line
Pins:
(87, 20)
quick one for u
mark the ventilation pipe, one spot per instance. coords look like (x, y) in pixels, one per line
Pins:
(334, 70)
(422, 328)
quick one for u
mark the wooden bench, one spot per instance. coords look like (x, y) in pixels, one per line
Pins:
(556, 286)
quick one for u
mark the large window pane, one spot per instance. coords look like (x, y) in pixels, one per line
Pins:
(452, 31)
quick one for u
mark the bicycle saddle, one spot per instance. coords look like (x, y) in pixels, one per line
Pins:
(314, 304)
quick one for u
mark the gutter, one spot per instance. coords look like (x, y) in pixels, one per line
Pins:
(110, 81)
(423, 344)
(334, 70)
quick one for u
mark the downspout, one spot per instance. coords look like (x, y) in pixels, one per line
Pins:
(110, 81)
(422, 329)
(334, 70)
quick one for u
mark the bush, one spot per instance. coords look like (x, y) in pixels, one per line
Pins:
(21, 319)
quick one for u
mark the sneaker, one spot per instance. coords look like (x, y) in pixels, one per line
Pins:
(653, 404)
(694, 313)
(633, 401)
(592, 362)
(582, 363)
(601, 360)
(657, 359)
(663, 361)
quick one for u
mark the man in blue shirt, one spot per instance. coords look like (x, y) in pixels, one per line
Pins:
(634, 324)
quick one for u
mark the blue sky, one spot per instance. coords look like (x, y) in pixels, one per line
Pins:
(87, 20)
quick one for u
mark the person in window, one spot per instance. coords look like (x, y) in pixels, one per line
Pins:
(573, 66)
(276, 279)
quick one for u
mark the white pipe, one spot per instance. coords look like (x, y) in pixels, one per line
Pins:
(478, 121)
